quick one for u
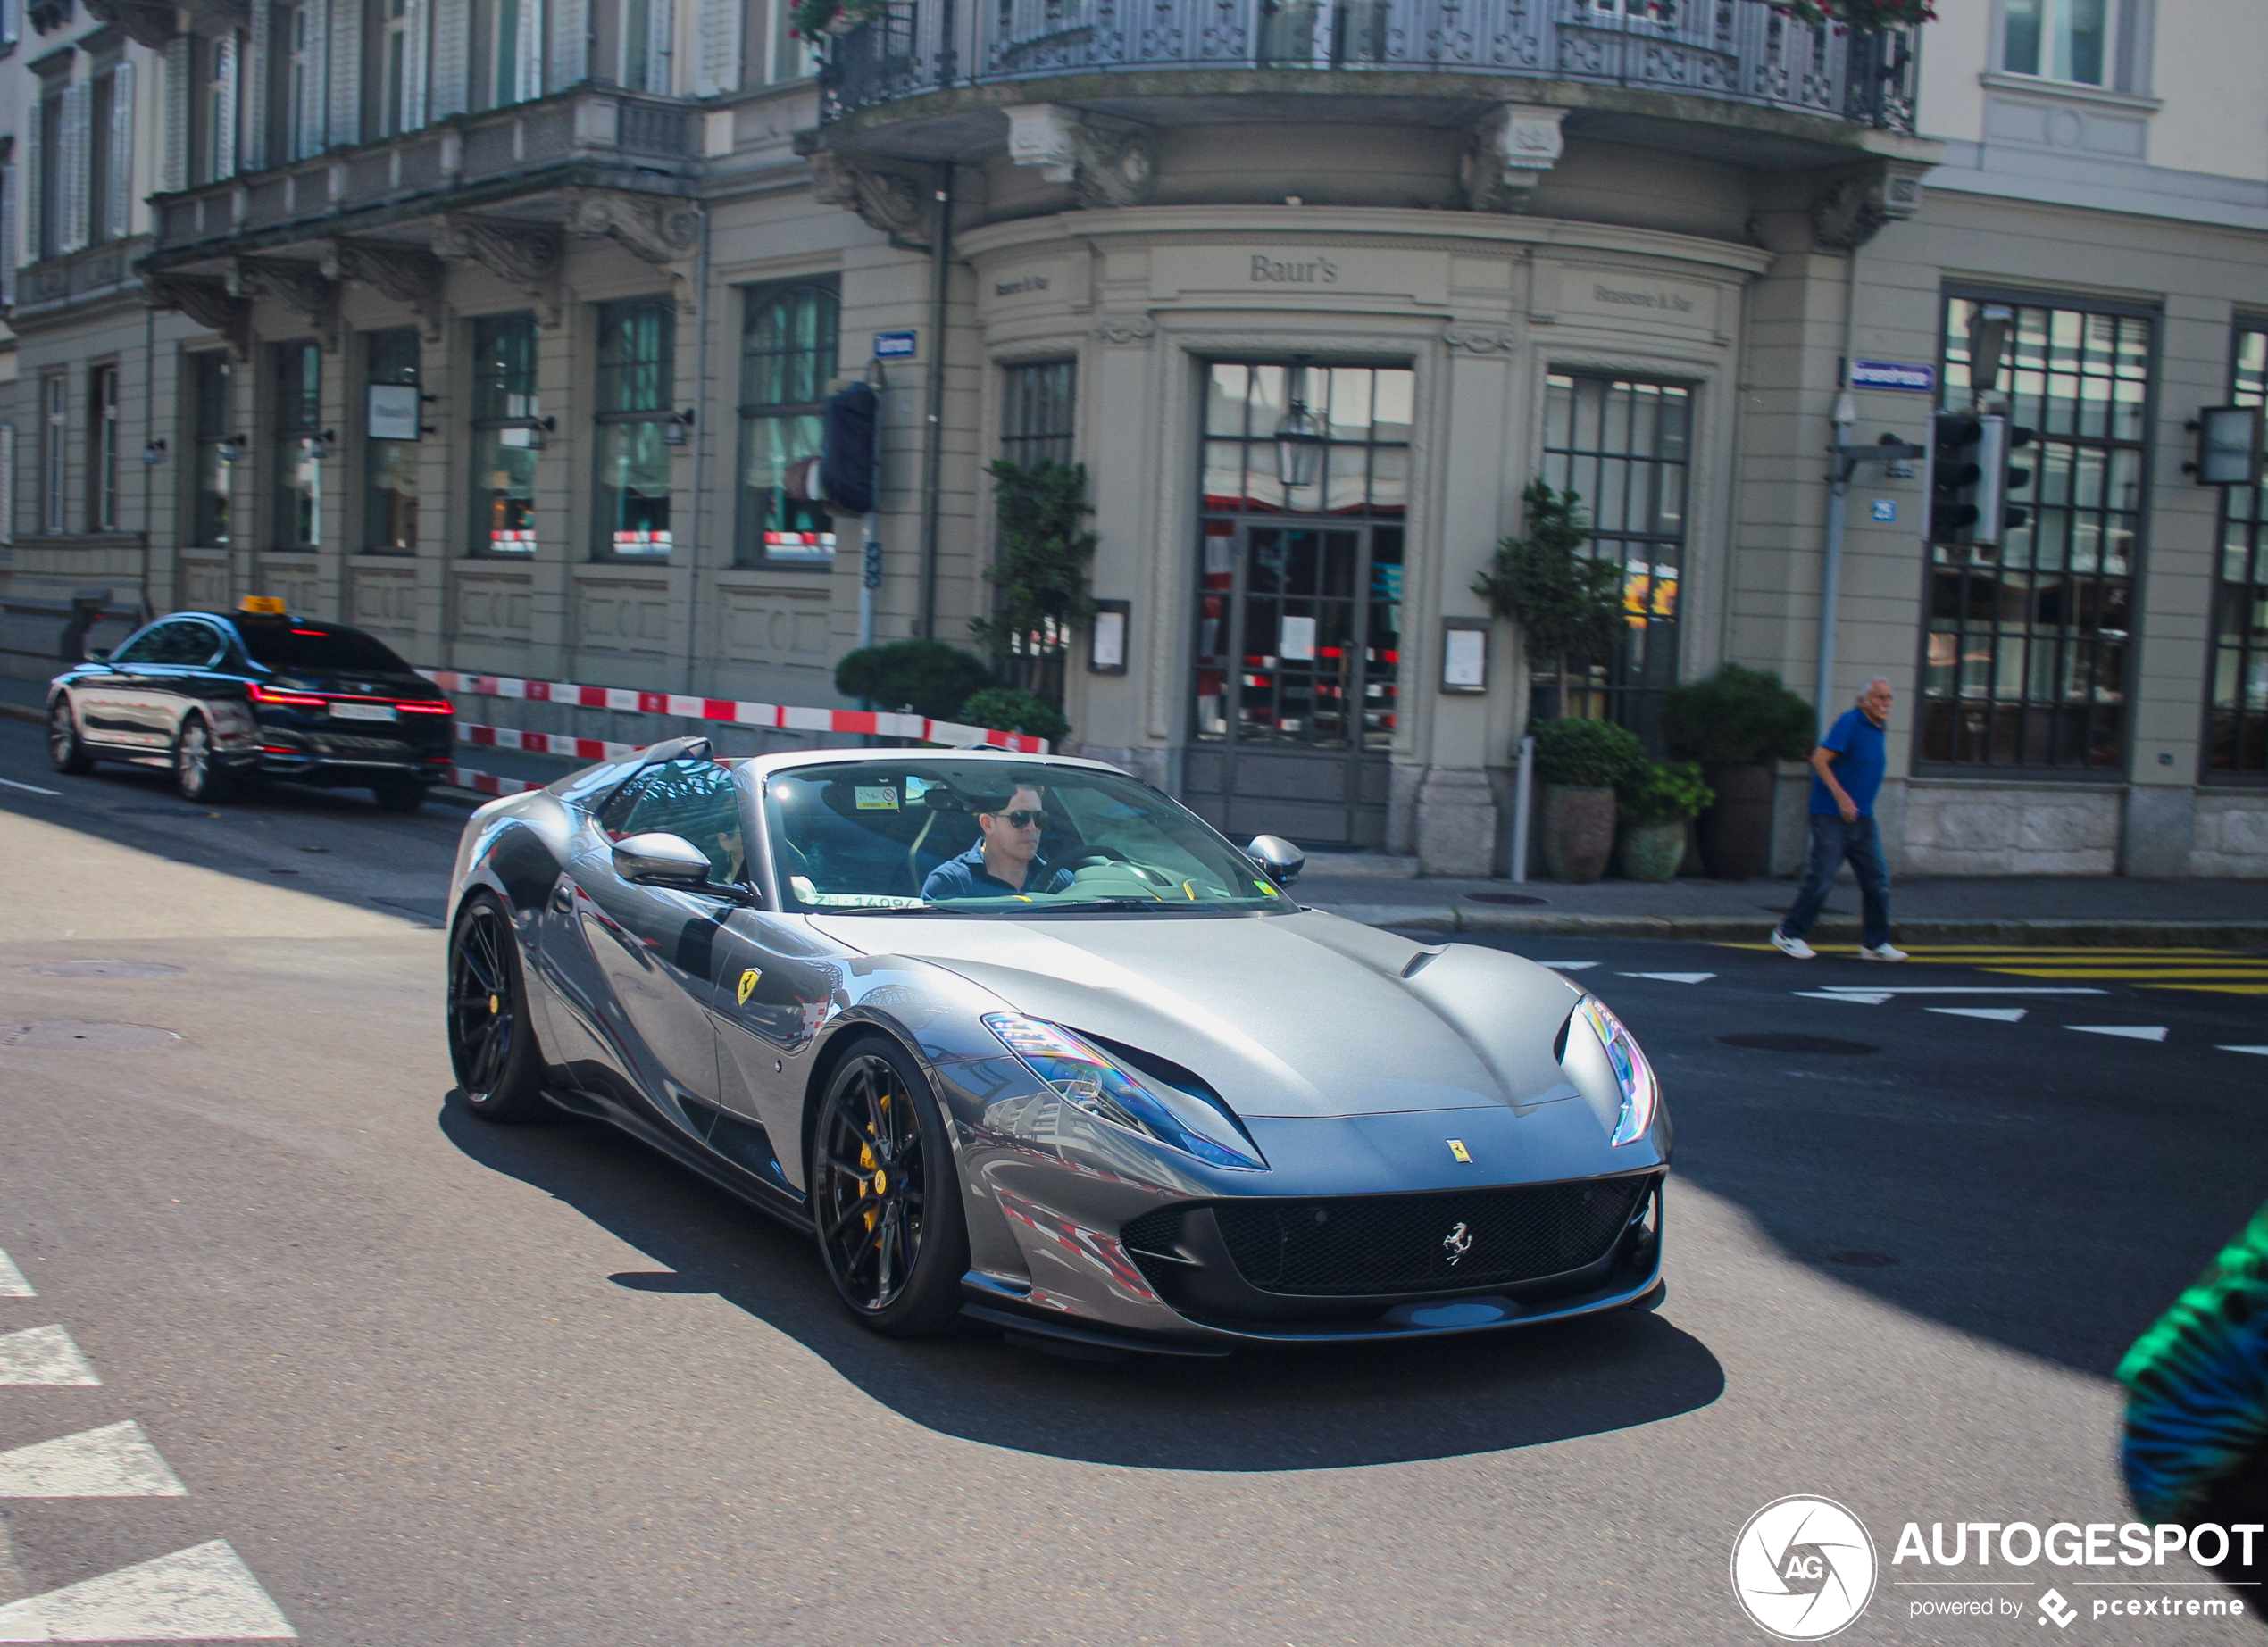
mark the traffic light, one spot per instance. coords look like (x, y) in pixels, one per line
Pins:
(1971, 478)
(1995, 517)
(1956, 472)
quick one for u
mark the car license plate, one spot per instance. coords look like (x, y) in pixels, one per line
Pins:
(363, 711)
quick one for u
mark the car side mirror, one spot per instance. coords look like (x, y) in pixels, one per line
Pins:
(657, 859)
(1280, 858)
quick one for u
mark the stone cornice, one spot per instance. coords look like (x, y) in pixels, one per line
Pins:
(1401, 226)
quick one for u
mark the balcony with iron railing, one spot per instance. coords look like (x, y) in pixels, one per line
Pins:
(1729, 52)
(591, 136)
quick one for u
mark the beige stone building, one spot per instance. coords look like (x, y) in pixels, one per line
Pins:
(497, 327)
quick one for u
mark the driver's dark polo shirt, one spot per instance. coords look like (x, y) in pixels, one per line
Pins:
(966, 877)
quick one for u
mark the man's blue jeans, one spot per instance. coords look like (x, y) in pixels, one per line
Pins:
(1832, 841)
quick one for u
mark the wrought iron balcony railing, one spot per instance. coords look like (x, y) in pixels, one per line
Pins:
(1732, 51)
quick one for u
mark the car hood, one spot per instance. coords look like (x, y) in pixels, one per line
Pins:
(1302, 1015)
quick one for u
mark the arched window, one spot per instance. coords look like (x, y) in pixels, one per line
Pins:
(789, 354)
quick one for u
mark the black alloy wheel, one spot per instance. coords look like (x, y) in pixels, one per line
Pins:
(884, 1194)
(197, 773)
(64, 747)
(491, 1046)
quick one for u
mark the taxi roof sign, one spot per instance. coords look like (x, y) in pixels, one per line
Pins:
(263, 606)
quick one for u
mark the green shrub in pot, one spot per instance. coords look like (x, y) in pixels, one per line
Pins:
(1651, 807)
(1579, 762)
(1586, 755)
(1737, 715)
(1737, 723)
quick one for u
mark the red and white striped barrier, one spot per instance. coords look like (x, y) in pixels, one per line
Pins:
(771, 717)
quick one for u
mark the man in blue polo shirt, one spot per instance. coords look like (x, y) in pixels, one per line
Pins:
(1005, 861)
(1849, 766)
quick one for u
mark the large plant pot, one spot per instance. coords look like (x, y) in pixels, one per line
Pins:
(1578, 832)
(1736, 833)
(1652, 851)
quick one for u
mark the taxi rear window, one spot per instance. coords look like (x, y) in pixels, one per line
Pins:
(304, 648)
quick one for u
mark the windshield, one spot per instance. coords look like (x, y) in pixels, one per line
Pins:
(996, 837)
(318, 649)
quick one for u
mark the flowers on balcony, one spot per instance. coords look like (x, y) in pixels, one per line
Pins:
(1867, 14)
(815, 18)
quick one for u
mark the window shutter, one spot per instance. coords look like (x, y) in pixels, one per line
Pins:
(258, 71)
(661, 48)
(180, 88)
(227, 71)
(35, 185)
(716, 48)
(118, 211)
(452, 57)
(9, 244)
(7, 483)
(307, 137)
(345, 68)
(417, 61)
(570, 40)
(76, 131)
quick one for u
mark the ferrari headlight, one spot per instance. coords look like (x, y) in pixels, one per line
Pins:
(1086, 1077)
(1641, 1093)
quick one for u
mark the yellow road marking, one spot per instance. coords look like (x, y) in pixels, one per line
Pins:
(2217, 989)
(2216, 972)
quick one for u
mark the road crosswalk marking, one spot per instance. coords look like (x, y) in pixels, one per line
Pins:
(204, 1594)
(2211, 971)
(43, 1355)
(1998, 1015)
(2262, 1050)
(2132, 1032)
(1672, 977)
(11, 1282)
(116, 1462)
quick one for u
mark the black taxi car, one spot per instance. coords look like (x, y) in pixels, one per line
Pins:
(257, 693)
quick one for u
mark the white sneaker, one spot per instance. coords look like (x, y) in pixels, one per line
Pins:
(1796, 948)
(1880, 952)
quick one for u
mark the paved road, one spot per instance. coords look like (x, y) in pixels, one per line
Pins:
(398, 1378)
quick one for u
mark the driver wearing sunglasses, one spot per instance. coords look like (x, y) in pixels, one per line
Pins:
(1006, 860)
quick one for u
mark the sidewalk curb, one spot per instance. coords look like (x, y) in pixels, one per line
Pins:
(1717, 928)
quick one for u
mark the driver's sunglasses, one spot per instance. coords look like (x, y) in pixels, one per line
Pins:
(1020, 820)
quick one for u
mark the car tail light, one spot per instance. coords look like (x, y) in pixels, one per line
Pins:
(296, 700)
(427, 709)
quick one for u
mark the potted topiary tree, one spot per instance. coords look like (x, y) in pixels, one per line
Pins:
(1736, 724)
(1579, 762)
(1651, 808)
(1568, 604)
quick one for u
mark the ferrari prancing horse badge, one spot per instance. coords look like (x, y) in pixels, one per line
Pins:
(748, 982)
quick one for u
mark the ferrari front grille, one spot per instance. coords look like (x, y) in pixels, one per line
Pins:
(1378, 1245)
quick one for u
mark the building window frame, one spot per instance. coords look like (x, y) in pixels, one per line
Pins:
(783, 393)
(214, 138)
(55, 459)
(390, 463)
(102, 446)
(1248, 689)
(1623, 441)
(507, 432)
(297, 376)
(210, 374)
(1970, 647)
(50, 127)
(635, 386)
(2233, 750)
(2092, 45)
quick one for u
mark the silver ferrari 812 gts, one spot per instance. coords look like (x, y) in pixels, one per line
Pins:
(1021, 1038)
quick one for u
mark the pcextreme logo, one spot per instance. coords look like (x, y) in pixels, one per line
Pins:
(1803, 1568)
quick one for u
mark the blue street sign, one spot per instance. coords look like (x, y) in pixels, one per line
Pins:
(1894, 375)
(1886, 509)
(893, 345)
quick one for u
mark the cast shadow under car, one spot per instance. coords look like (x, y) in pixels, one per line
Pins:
(1265, 1409)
